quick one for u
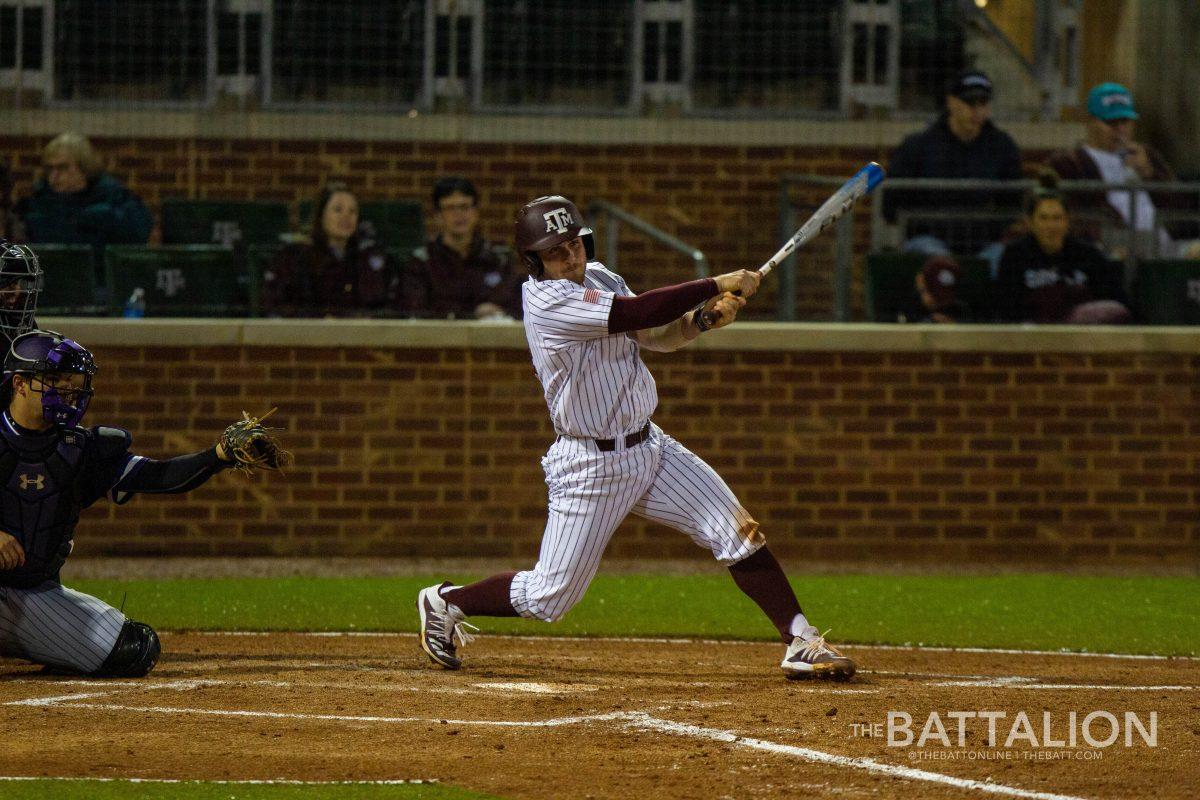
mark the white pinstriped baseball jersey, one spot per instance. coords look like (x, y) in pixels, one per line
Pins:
(596, 385)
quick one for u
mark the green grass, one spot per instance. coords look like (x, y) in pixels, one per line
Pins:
(217, 790)
(1042, 612)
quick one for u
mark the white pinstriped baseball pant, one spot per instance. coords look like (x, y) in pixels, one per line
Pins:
(60, 627)
(592, 491)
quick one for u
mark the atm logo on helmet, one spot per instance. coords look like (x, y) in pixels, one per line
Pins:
(558, 220)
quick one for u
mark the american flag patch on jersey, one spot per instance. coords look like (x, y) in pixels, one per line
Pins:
(591, 296)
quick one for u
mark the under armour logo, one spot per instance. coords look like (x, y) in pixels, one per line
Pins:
(170, 281)
(558, 220)
(38, 482)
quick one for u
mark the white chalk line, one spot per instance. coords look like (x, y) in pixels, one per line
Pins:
(820, 757)
(201, 683)
(946, 680)
(1005, 683)
(1022, 682)
(629, 719)
(671, 640)
(251, 782)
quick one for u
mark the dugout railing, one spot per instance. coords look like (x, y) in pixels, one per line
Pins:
(902, 207)
(608, 218)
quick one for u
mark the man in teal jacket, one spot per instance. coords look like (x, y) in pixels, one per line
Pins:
(78, 203)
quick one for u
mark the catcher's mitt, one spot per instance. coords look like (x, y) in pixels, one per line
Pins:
(251, 446)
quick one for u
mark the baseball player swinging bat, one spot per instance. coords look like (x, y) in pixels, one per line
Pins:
(830, 211)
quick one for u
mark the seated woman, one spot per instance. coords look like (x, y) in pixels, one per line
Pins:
(1048, 276)
(337, 273)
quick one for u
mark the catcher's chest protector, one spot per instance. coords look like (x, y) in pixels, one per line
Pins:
(40, 497)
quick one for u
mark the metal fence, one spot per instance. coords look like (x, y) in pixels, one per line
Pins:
(966, 216)
(704, 57)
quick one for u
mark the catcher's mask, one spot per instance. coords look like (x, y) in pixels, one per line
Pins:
(20, 284)
(43, 355)
(545, 222)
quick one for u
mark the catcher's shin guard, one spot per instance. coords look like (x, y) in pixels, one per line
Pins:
(134, 655)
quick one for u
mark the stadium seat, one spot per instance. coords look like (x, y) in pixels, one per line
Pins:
(69, 279)
(229, 223)
(259, 257)
(1167, 292)
(397, 224)
(179, 281)
(889, 283)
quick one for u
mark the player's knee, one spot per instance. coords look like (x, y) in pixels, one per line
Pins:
(135, 653)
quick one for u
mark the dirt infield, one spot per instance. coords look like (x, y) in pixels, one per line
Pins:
(535, 718)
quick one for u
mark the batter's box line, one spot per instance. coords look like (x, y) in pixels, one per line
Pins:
(742, 642)
(639, 720)
(110, 689)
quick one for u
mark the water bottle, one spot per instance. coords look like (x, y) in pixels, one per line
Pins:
(135, 306)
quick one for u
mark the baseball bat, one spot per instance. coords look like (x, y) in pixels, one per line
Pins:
(830, 211)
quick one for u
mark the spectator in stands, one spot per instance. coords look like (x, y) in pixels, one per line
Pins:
(1110, 153)
(337, 272)
(961, 143)
(935, 297)
(459, 274)
(77, 202)
(1050, 276)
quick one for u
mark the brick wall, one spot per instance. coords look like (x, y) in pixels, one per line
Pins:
(860, 456)
(721, 199)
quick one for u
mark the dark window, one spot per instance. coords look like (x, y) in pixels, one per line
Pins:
(763, 54)
(348, 51)
(8, 37)
(227, 43)
(31, 45)
(932, 38)
(131, 50)
(565, 53)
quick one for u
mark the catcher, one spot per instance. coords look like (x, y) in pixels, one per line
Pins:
(50, 469)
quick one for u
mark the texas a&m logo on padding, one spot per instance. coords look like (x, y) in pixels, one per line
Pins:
(558, 220)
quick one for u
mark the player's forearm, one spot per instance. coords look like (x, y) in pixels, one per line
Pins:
(172, 475)
(670, 337)
(658, 307)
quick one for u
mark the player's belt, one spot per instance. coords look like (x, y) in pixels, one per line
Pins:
(632, 440)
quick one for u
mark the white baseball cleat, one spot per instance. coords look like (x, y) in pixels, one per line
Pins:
(810, 656)
(440, 624)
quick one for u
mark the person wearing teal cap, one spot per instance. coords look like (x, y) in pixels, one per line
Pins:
(1110, 153)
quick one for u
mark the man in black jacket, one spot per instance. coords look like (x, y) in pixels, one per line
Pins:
(961, 143)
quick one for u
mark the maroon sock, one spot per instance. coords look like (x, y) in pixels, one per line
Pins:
(763, 581)
(486, 598)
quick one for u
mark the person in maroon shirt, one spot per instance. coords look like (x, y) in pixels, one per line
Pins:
(337, 273)
(459, 274)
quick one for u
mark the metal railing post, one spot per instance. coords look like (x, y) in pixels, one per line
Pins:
(844, 256)
(612, 233)
(785, 303)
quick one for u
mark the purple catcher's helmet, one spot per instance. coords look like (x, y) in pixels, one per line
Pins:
(40, 353)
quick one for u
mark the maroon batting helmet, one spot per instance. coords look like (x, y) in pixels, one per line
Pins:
(545, 222)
